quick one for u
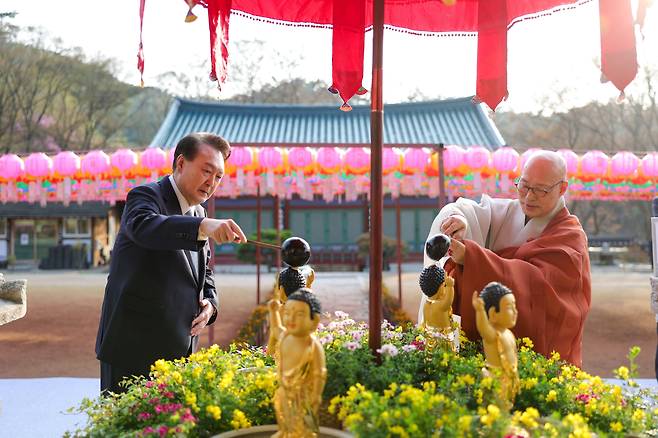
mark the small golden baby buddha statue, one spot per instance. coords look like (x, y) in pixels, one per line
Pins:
(300, 365)
(295, 252)
(495, 315)
(440, 292)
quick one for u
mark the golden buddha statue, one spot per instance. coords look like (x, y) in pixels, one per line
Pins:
(300, 365)
(437, 309)
(495, 315)
(438, 319)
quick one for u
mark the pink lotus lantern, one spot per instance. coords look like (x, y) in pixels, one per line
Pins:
(415, 160)
(572, 159)
(477, 158)
(623, 165)
(271, 162)
(454, 160)
(95, 163)
(241, 158)
(506, 162)
(11, 169)
(271, 159)
(391, 161)
(525, 156)
(648, 166)
(66, 165)
(593, 165)
(240, 161)
(38, 165)
(124, 160)
(301, 160)
(357, 161)
(329, 161)
(155, 161)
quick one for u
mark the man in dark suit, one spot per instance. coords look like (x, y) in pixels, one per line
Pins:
(160, 292)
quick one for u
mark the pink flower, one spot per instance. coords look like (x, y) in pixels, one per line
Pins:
(169, 394)
(162, 430)
(583, 398)
(162, 386)
(351, 345)
(408, 348)
(420, 345)
(144, 416)
(147, 430)
(357, 335)
(154, 401)
(150, 384)
(188, 416)
(158, 409)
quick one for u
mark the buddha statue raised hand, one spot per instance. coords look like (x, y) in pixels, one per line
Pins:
(300, 365)
(495, 315)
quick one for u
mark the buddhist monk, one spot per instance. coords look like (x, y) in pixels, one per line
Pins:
(531, 244)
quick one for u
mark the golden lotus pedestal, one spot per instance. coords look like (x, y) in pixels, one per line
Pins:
(266, 431)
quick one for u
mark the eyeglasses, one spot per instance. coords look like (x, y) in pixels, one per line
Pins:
(539, 192)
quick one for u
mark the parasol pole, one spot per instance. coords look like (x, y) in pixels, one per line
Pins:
(258, 237)
(376, 197)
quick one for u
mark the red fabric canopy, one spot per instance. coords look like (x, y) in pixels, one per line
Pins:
(490, 19)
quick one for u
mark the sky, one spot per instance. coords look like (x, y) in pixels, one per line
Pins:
(555, 52)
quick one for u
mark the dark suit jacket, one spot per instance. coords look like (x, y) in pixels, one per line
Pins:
(151, 295)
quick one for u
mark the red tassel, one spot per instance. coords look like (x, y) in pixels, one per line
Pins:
(219, 12)
(491, 85)
(618, 54)
(140, 52)
(348, 41)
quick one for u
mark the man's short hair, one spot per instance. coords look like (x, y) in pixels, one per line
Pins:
(304, 294)
(188, 146)
(492, 294)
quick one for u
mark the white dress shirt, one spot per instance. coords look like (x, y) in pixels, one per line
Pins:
(185, 206)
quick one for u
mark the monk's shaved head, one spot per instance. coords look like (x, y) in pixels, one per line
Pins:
(542, 183)
(547, 162)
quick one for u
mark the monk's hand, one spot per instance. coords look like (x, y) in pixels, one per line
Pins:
(478, 304)
(457, 251)
(222, 230)
(204, 316)
(454, 226)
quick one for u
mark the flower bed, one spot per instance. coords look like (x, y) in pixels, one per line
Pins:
(415, 392)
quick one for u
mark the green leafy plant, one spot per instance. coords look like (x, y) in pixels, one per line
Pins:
(414, 387)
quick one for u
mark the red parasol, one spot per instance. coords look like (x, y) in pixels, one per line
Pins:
(349, 19)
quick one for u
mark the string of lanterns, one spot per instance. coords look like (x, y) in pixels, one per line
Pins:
(326, 171)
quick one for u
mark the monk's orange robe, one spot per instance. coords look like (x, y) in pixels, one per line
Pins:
(550, 279)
